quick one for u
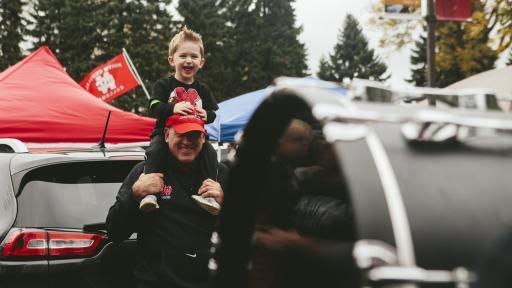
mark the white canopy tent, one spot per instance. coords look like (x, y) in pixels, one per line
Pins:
(497, 81)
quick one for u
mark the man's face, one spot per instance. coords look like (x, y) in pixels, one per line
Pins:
(184, 147)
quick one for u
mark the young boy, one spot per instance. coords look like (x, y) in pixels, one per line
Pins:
(177, 94)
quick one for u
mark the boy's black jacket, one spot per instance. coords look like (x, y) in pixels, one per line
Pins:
(162, 90)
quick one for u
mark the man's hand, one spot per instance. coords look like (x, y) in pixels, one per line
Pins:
(202, 113)
(276, 239)
(148, 184)
(183, 108)
(211, 188)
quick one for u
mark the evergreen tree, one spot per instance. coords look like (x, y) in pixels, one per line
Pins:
(144, 28)
(264, 44)
(11, 31)
(285, 55)
(444, 77)
(209, 19)
(419, 61)
(68, 28)
(245, 46)
(85, 34)
(324, 70)
(352, 58)
(509, 62)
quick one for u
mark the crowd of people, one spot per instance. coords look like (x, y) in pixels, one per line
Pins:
(303, 236)
(172, 199)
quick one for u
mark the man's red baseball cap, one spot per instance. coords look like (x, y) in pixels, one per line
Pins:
(185, 123)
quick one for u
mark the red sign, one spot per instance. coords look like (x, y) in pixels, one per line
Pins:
(453, 10)
(110, 80)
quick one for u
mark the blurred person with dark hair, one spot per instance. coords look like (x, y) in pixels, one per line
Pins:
(303, 221)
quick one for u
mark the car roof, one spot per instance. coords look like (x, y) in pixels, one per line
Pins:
(42, 157)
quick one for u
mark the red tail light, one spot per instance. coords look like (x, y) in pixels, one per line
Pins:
(36, 243)
(25, 243)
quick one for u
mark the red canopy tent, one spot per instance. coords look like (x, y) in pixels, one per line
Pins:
(41, 103)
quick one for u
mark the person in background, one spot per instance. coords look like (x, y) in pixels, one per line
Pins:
(230, 155)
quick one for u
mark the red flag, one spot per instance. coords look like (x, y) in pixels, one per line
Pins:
(453, 10)
(110, 80)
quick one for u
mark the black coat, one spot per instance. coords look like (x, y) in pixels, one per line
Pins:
(173, 242)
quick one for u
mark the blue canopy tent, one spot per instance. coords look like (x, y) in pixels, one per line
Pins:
(233, 114)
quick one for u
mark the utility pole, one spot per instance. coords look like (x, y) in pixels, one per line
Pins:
(431, 53)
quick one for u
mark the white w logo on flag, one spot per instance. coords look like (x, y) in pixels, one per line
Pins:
(105, 82)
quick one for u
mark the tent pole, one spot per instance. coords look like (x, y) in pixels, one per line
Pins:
(219, 151)
(135, 72)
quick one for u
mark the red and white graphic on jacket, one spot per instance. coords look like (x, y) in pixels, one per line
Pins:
(166, 192)
(179, 95)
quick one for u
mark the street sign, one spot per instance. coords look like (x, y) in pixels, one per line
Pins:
(402, 9)
(453, 10)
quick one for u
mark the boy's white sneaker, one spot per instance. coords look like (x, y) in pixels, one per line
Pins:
(209, 204)
(148, 203)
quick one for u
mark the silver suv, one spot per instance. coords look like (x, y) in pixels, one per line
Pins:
(54, 203)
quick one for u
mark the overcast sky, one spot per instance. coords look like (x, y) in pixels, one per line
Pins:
(321, 21)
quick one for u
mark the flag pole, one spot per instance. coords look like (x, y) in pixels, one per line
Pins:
(135, 72)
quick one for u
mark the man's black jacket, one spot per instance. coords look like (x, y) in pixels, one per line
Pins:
(173, 242)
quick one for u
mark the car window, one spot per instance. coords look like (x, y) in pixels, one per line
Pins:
(69, 195)
(48, 204)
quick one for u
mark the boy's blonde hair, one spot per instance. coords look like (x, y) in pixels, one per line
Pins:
(185, 35)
